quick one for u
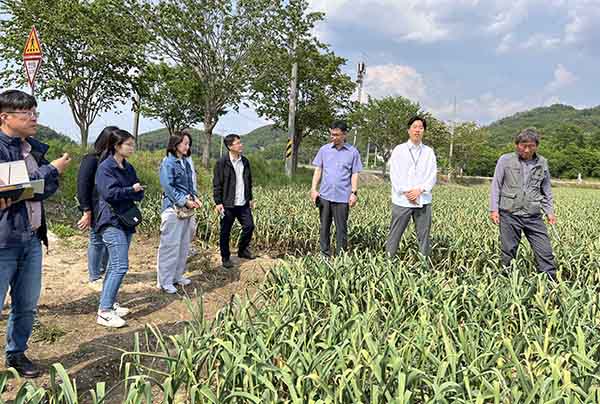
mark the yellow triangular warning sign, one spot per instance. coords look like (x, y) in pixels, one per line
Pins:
(32, 46)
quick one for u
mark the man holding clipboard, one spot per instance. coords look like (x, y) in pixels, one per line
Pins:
(23, 224)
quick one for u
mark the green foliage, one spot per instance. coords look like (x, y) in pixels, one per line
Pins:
(171, 95)
(383, 121)
(90, 50)
(324, 90)
(570, 137)
(364, 328)
(45, 134)
(218, 40)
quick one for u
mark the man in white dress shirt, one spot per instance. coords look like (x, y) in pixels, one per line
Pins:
(413, 171)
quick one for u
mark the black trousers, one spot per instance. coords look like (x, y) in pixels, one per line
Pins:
(338, 212)
(244, 216)
(511, 229)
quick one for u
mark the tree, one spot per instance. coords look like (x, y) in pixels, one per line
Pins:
(385, 121)
(171, 95)
(90, 50)
(218, 40)
(323, 89)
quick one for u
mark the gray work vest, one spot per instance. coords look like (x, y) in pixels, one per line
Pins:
(516, 197)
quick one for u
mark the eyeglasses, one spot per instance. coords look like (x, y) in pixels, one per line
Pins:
(28, 114)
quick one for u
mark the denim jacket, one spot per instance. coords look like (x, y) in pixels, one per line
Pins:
(177, 181)
(15, 229)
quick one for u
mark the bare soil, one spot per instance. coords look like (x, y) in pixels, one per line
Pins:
(68, 332)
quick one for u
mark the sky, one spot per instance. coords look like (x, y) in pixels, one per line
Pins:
(495, 57)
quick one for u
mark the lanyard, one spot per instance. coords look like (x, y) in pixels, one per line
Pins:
(415, 161)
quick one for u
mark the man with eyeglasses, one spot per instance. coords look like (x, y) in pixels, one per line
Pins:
(23, 224)
(337, 165)
(232, 193)
(520, 195)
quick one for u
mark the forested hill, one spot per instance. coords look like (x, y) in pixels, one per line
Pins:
(44, 134)
(559, 124)
(260, 139)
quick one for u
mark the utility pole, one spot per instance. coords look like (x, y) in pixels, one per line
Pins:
(289, 150)
(361, 69)
(451, 151)
(136, 117)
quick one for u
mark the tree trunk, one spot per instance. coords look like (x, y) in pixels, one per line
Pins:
(296, 148)
(84, 132)
(210, 121)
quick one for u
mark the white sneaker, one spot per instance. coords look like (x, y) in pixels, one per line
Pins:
(170, 289)
(183, 281)
(120, 310)
(110, 319)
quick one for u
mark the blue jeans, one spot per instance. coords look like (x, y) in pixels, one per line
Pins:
(117, 242)
(21, 270)
(97, 256)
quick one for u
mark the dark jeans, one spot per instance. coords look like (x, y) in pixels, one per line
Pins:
(337, 211)
(244, 216)
(511, 228)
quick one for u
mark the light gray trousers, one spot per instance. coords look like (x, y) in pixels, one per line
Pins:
(175, 238)
(400, 219)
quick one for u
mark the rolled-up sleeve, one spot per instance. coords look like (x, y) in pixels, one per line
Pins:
(356, 163)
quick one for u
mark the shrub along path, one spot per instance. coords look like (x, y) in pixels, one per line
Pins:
(68, 332)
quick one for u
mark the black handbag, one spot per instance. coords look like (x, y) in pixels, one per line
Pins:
(131, 217)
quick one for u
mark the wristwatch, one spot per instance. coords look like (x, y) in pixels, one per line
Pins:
(354, 192)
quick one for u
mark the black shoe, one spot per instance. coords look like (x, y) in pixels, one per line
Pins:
(22, 365)
(227, 263)
(246, 254)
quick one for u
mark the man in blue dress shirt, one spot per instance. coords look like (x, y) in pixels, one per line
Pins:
(337, 165)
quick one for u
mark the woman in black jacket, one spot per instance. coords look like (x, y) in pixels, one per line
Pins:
(87, 195)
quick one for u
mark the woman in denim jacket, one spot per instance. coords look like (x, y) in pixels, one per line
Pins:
(118, 187)
(177, 182)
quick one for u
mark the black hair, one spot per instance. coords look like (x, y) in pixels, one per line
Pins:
(229, 139)
(339, 125)
(189, 136)
(175, 140)
(417, 118)
(16, 100)
(101, 142)
(116, 138)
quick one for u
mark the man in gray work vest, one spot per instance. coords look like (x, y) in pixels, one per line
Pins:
(520, 194)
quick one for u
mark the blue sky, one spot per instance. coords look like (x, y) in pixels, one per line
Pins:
(496, 57)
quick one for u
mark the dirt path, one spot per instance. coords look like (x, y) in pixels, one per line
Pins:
(69, 334)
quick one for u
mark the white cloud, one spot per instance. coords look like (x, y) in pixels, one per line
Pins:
(384, 80)
(408, 20)
(483, 109)
(562, 78)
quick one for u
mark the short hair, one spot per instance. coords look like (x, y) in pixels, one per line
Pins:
(417, 118)
(16, 100)
(101, 142)
(528, 135)
(229, 139)
(341, 125)
(175, 140)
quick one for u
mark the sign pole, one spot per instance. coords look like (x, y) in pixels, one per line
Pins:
(32, 57)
